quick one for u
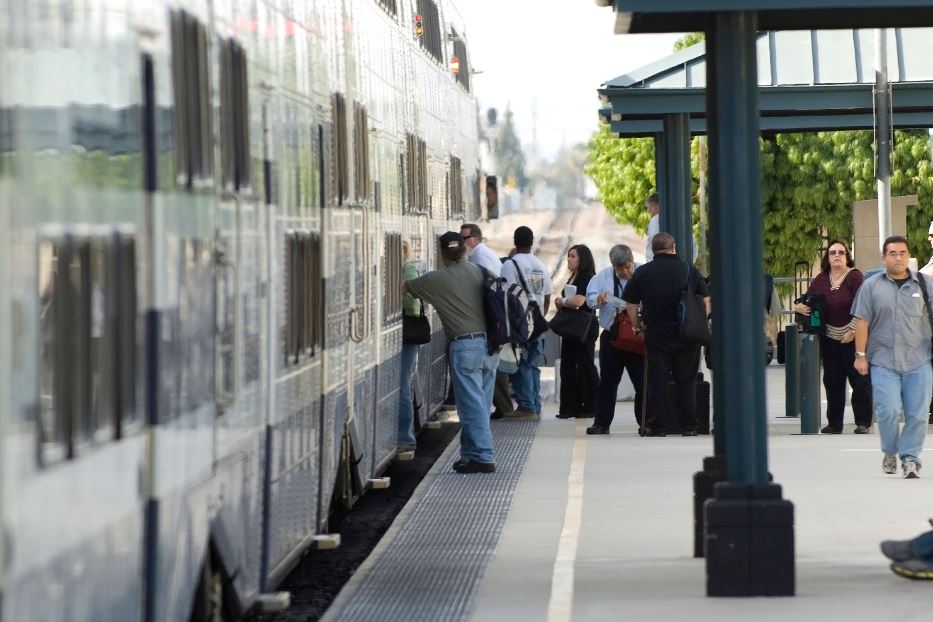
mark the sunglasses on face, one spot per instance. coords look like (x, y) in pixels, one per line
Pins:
(836, 253)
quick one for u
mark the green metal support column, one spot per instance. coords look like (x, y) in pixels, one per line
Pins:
(739, 227)
(660, 179)
(749, 539)
(677, 207)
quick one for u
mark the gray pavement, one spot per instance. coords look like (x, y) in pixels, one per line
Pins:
(631, 552)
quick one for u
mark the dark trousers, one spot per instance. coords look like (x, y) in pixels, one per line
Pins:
(612, 363)
(838, 359)
(502, 397)
(670, 358)
(578, 378)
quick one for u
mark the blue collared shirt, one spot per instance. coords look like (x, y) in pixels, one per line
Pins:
(605, 281)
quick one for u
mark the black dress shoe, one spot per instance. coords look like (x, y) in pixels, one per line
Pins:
(472, 466)
(597, 429)
(831, 430)
(496, 415)
(689, 433)
(651, 432)
(565, 416)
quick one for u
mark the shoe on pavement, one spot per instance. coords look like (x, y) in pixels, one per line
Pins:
(565, 416)
(830, 430)
(897, 550)
(496, 414)
(472, 466)
(911, 470)
(914, 569)
(651, 432)
(862, 429)
(523, 415)
(889, 464)
(597, 429)
(689, 433)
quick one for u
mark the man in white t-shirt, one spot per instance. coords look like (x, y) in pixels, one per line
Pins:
(527, 270)
(479, 254)
(653, 203)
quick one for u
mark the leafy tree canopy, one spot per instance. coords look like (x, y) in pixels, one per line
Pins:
(688, 40)
(808, 184)
(509, 154)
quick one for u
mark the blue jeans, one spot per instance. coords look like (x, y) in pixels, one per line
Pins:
(526, 382)
(473, 373)
(406, 411)
(909, 393)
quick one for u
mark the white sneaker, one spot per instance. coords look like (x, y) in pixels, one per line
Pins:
(910, 470)
(889, 464)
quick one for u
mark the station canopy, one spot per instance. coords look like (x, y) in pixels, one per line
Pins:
(809, 80)
(639, 16)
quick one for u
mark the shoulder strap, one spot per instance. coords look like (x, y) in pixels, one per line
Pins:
(926, 298)
(521, 277)
(616, 286)
(687, 287)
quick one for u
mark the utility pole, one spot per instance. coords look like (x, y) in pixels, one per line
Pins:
(882, 134)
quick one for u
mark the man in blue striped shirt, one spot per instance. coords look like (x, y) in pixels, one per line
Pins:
(604, 293)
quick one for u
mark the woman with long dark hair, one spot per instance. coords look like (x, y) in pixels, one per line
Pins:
(839, 282)
(578, 375)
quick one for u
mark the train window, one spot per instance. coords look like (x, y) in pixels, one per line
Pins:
(316, 190)
(431, 40)
(124, 330)
(392, 269)
(361, 152)
(55, 340)
(302, 332)
(390, 6)
(463, 61)
(192, 122)
(87, 323)
(339, 149)
(417, 174)
(456, 188)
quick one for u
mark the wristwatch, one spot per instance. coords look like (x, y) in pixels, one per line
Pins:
(858, 354)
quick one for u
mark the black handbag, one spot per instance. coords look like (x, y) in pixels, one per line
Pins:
(539, 324)
(416, 329)
(573, 324)
(693, 326)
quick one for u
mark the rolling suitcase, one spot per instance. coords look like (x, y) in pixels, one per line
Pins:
(702, 400)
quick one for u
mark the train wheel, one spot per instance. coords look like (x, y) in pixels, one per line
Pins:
(209, 600)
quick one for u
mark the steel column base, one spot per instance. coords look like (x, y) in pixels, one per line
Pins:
(749, 541)
(714, 471)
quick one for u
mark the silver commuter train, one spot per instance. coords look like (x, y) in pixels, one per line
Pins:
(202, 204)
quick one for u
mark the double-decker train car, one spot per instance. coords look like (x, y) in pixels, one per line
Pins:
(202, 205)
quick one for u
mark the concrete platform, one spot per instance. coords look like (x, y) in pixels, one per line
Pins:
(600, 528)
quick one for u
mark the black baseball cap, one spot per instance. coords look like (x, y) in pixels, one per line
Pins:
(451, 239)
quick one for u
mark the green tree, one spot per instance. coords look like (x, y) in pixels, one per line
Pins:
(808, 184)
(565, 173)
(623, 171)
(509, 154)
(688, 40)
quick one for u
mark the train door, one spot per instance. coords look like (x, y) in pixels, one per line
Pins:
(339, 265)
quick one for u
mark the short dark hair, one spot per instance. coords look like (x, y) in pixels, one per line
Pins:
(662, 242)
(654, 199)
(523, 237)
(824, 264)
(894, 239)
(475, 231)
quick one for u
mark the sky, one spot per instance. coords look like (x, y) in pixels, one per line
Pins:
(550, 55)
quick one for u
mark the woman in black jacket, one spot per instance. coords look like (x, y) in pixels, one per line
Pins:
(578, 375)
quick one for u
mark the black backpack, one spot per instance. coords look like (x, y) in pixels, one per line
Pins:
(506, 309)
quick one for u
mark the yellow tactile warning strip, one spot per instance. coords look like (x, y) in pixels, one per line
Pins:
(560, 607)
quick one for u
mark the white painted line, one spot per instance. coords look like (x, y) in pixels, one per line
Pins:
(560, 606)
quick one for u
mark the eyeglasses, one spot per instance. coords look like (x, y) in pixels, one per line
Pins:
(835, 252)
